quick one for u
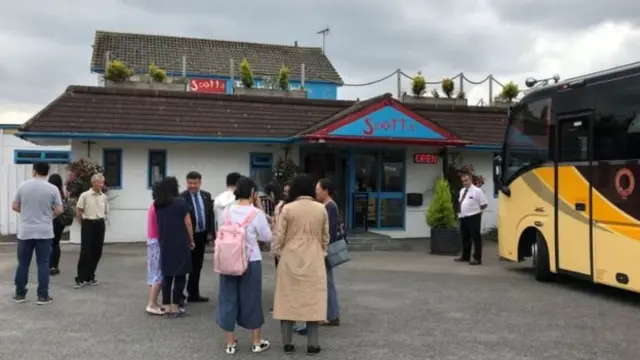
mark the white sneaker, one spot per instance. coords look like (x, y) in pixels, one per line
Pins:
(262, 346)
(231, 349)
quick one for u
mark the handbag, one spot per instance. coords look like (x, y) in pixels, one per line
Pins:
(337, 253)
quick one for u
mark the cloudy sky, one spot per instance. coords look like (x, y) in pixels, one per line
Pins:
(45, 45)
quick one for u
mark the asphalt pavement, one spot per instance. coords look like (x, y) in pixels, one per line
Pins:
(395, 305)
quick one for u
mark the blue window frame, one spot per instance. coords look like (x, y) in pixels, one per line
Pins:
(382, 175)
(261, 169)
(112, 164)
(156, 166)
(34, 156)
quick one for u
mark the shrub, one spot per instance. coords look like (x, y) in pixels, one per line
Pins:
(285, 170)
(448, 87)
(441, 214)
(157, 74)
(246, 74)
(510, 91)
(461, 95)
(418, 85)
(283, 77)
(117, 71)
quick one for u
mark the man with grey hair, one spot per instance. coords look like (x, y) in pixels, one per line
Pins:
(91, 210)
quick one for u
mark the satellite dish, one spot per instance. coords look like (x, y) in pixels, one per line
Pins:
(530, 82)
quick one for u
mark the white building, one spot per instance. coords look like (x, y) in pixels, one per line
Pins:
(379, 153)
(16, 157)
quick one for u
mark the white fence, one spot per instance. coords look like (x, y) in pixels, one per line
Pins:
(11, 176)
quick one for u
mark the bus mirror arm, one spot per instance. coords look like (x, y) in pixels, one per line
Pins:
(505, 190)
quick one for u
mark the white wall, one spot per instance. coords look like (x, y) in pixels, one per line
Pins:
(12, 175)
(129, 205)
(214, 161)
(421, 178)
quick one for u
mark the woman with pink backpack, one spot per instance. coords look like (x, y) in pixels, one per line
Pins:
(240, 289)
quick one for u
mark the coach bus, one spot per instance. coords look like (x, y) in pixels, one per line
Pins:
(568, 178)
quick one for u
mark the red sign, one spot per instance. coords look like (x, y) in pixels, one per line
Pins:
(422, 158)
(391, 127)
(212, 86)
(630, 184)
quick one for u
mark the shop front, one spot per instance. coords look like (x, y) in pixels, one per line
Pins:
(366, 154)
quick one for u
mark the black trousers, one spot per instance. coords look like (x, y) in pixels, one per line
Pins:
(172, 289)
(197, 259)
(91, 244)
(58, 228)
(470, 231)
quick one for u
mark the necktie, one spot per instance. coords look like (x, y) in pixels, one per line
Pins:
(464, 194)
(199, 217)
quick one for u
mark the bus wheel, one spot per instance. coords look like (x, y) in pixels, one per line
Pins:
(540, 255)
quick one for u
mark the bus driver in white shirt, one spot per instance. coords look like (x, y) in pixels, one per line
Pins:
(471, 203)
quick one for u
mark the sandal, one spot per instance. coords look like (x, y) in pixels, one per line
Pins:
(154, 310)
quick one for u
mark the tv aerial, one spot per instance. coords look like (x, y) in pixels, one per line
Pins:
(324, 32)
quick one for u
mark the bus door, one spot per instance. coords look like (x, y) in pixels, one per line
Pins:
(573, 193)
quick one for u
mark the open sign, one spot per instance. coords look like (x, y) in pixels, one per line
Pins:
(423, 158)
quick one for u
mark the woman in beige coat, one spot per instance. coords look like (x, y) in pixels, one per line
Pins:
(301, 241)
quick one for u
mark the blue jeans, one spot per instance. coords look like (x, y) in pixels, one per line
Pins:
(26, 248)
(333, 308)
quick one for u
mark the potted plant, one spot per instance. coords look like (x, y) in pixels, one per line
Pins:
(246, 74)
(117, 71)
(283, 78)
(447, 87)
(285, 169)
(278, 86)
(418, 85)
(441, 218)
(510, 91)
(157, 74)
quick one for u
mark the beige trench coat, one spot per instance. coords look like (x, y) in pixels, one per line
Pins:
(302, 237)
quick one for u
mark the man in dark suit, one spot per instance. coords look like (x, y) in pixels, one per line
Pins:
(203, 229)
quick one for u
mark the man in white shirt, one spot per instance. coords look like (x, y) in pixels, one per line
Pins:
(225, 198)
(471, 203)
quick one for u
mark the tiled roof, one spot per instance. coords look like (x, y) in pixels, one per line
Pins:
(113, 110)
(479, 125)
(210, 57)
(85, 109)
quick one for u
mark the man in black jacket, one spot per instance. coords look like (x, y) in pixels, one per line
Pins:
(203, 230)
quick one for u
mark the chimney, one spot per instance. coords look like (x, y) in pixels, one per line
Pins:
(295, 43)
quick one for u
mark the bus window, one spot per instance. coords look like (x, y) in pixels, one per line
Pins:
(616, 131)
(527, 139)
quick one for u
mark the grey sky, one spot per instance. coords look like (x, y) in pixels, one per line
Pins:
(46, 47)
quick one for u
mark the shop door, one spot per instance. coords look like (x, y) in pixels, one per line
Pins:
(573, 192)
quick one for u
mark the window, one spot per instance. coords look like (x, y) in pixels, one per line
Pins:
(573, 134)
(496, 187)
(392, 171)
(367, 172)
(112, 163)
(527, 139)
(261, 170)
(33, 156)
(157, 166)
(616, 130)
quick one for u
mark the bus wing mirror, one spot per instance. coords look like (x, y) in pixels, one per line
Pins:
(497, 169)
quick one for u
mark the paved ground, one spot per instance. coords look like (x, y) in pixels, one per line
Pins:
(395, 305)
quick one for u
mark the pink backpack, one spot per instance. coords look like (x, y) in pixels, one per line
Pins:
(230, 256)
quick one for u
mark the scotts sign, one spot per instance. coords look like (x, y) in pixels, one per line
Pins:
(215, 86)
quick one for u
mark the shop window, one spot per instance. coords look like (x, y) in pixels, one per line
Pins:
(157, 166)
(112, 163)
(367, 172)
(34, 156)
(261, 170)
(392, 172)
(392, 212)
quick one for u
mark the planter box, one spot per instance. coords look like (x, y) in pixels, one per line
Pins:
(445, 242)
(298, 94)
(435, 101)
(501, 103)
(145, 85)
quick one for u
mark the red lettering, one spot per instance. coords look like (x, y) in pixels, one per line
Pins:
(422, 158)
(389, 125)
(368, 130)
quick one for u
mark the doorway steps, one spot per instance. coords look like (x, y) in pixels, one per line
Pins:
(368, 241)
